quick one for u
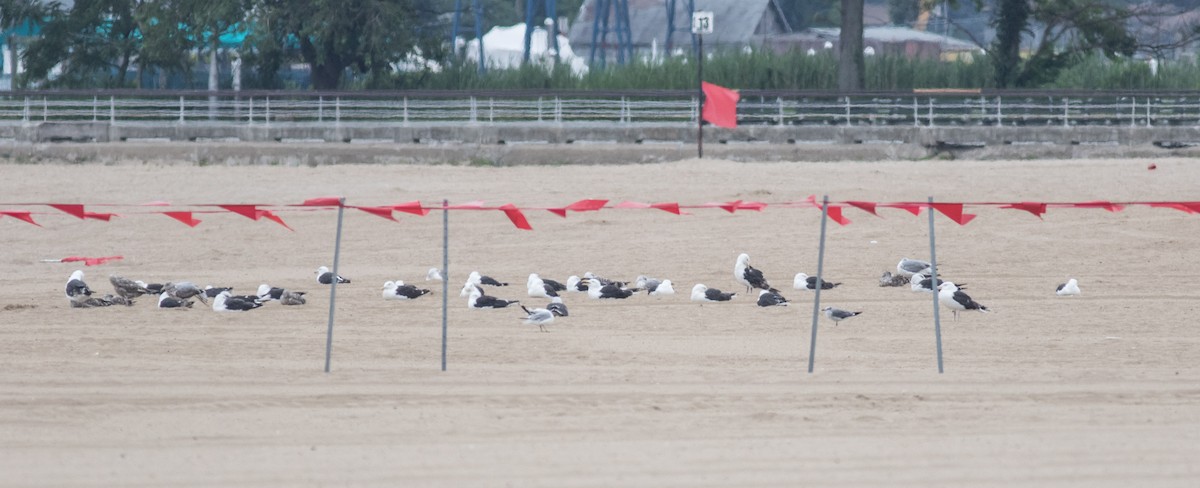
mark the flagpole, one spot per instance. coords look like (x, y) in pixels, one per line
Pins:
(700, 96)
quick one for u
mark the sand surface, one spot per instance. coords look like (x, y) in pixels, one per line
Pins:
(1097, 390)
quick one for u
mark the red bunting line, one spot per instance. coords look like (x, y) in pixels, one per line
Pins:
(20, 215)
(70, 208)
(88, 261)
(185, 217)
(385, 212)
(514, 214)
(269, 215)
(413, 207)
(248, 211)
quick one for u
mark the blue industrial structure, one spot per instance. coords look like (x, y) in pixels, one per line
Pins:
(672, 29)
(477, 8)
(551, 8)
(618, 10)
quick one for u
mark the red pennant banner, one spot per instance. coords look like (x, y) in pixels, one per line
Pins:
(560, 211)
(269, 215)
(1111, 207)
(865, 206)
(414, 207)
(579, 206)
(322, 202)
(730, 207)
(912, 208)
(954, 211)
(672, 207)
(514, 214)
(88, 261)
(835, 214)
(20, 215)
(100, 216)
(1034, 208)
(249, 211)
(720, 105)
(70, 208)
(185, 217)
(385, 212)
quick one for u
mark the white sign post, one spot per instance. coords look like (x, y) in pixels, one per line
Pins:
(702, 23)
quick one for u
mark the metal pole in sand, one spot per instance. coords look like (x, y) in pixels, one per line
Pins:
(337, 251)
(445, 272)
(812, 346)
(937, 318)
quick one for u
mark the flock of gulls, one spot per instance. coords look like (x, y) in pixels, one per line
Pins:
(182, 295)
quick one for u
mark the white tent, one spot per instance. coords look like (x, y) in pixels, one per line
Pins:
(504, 47)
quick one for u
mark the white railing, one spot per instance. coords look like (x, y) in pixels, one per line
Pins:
(874, 110)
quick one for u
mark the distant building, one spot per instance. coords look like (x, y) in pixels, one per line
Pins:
(893, 41)
(736, 24)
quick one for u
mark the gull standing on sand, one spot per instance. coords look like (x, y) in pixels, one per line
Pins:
(748, 276)
(838, 315)
(951, 298)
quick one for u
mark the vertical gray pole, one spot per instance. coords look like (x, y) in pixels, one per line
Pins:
(445, 272)
(812, 346)
(337, 252)
(937, 318)
(700, 96)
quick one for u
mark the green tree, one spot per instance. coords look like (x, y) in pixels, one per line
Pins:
(14, 14)
(851, 66)
(1011, 21)
(334, 37)
(95, 43)
(904, 12)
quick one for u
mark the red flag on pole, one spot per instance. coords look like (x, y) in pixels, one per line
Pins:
(720, 105)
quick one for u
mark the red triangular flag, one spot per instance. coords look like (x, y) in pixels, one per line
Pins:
(560, 211)
(587, 205)
(866, 206)
(322, 202)
(1032, 207)
(1111, 207)
(385, 212)
(912, 208)
(413, 207)
(275, 218)
(835, 214)
(514, 214)
(100, 216)
(672, 207)
(731, 207)
(20, 215)
(954, 211)
(73, 209)
(1183, 207)
(249, 211)
(98, 261)
(185, 217)
(720, 105)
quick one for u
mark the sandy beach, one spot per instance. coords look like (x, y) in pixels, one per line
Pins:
(1101, 389)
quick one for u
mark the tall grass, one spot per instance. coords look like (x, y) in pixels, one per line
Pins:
(793, 70)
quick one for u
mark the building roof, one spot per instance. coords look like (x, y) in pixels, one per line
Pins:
(735, 22)
(892, 34)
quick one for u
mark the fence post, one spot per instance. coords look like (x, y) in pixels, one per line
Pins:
(916, 113)
(931, 111)
(267, 110)
(45, 109)
(406, 117)
(181, 119)
(557, 110)
(812, 344)
(320, 109)
(474, 113)
(539, 109)
(337, 252)
(95, 108)
(937, 317)
(1066, 112)
(779, 102)
(624, 110)
(112, 109)
(250, 112)
(848, 110)
(999, 115)
(1148, 102)
(25, 113)
(491, 110)
(337, 110)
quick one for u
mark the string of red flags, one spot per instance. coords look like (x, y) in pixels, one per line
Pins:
(86, 260)
(187, 214)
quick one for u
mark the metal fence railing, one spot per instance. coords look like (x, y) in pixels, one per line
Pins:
(633, 107)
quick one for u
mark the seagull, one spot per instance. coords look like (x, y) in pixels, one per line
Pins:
(153, 288)
(747, 275)
(701, 293)
(325, 277)
(664, 288)
(557, 306)
(889, 279)
(209, 291)
(920, 283)
(643, 281)
(611, 290)
(290, 297)
(803, 282)
(105, 301)
(771, 298)
(537, 287)
(479, 279)
(908, 267)
(479, 300)
(127, 288)
(184, 290)
(267, 292)
(77, 290)
(165, 300)
(226, 302)
(1070, 288)
(397, 290)
(435, 275)
(575, 284)
(955, 300)
(538, 316)
(837, 314)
